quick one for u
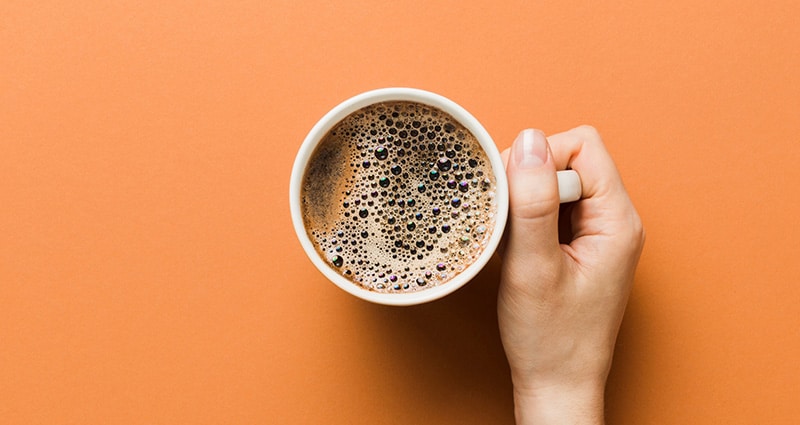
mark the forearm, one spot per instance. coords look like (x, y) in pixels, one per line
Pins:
(579, 406)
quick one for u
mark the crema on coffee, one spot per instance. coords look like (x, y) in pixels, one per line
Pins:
(399, 197)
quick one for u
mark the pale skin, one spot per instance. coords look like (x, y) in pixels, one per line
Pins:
(560, 304)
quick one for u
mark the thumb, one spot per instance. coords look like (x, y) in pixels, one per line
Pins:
(533, 198)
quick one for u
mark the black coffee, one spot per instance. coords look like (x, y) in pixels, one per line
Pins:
(399, 197)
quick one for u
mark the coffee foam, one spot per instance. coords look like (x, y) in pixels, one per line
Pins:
(399, 197)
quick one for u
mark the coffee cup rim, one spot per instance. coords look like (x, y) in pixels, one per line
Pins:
(338, 113)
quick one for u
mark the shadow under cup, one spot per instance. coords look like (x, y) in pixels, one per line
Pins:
(437, 159)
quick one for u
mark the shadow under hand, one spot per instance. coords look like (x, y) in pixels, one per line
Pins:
(447, 352)
(626, 389)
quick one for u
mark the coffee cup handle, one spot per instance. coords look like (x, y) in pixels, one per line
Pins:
(569, 186)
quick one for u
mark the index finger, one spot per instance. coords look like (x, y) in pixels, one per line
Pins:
(605, 209)
(582, 150)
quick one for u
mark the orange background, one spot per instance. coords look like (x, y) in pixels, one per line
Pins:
(149, 273)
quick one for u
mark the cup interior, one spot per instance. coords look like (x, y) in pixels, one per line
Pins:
(344, 109)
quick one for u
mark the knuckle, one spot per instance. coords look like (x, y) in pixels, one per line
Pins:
(628, 235)
(642, 237)
(534, 208)
(636, 233)
(588, 133)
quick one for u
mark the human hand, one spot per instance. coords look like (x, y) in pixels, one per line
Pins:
(560, 304)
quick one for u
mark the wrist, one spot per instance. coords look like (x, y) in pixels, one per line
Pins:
(560, 404)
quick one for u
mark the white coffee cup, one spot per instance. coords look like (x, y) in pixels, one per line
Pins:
(568, 182)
